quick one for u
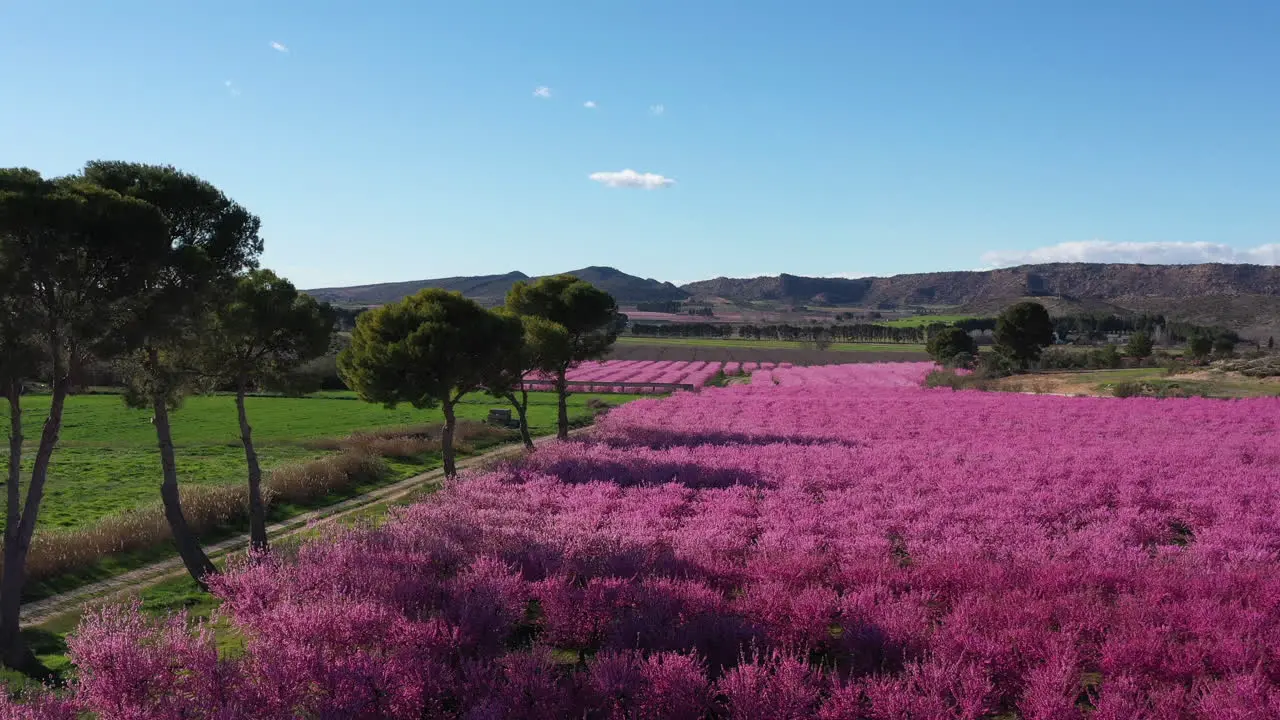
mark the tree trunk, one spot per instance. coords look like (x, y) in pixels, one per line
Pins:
(257, 511)
(562, 410)
(12, 580)
(198, 564)
(446, 440)
(16, 654)
(18, 535)
(521, 405)
(13, 512)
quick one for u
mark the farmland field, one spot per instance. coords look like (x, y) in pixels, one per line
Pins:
(732, 350)
(770, 344)
(637, 372)
(107, 459)
(923, 320)
(830, 542)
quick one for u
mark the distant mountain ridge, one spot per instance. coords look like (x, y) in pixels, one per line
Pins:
(492, 289)
(1078, 280)
(1245, 297)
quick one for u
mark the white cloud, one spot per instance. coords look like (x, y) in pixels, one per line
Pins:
(1151, 253)
(590, 104)
(847, 275)
(542, 91)
(231, 88)
(632, 179)
(657, 109)
(279, 47)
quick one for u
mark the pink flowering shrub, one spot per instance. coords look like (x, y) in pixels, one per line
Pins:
(833, 543)
(135, 667)
(43, 706)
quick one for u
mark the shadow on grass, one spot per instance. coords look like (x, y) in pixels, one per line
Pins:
(49, 666)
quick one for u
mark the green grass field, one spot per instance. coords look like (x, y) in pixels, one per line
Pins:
(923, 320)
(1118, 375)
(107, 459)
(738, 343)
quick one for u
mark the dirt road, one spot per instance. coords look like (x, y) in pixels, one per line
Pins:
(44, 610)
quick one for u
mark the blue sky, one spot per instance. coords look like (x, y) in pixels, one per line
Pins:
(384, 141)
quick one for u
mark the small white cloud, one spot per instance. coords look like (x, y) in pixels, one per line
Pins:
(847, 275)
(1150, 253)
(632, 179)
(542, 91)
(590, 104)
(657, 109)
(231, 88)
(279, 47)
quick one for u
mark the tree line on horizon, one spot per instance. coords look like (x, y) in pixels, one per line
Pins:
(433, 348)
(1023, 331)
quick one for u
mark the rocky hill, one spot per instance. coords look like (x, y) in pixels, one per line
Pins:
(492, 289)
(1077, 280)
(629, 289)
(1244, 297)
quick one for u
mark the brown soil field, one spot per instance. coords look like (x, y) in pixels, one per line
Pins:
(1098, 383)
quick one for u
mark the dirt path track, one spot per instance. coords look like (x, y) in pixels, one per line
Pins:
(44, 610)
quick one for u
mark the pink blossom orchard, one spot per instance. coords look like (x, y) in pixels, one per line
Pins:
(695, 373)
(831, 542)
(684, 372)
